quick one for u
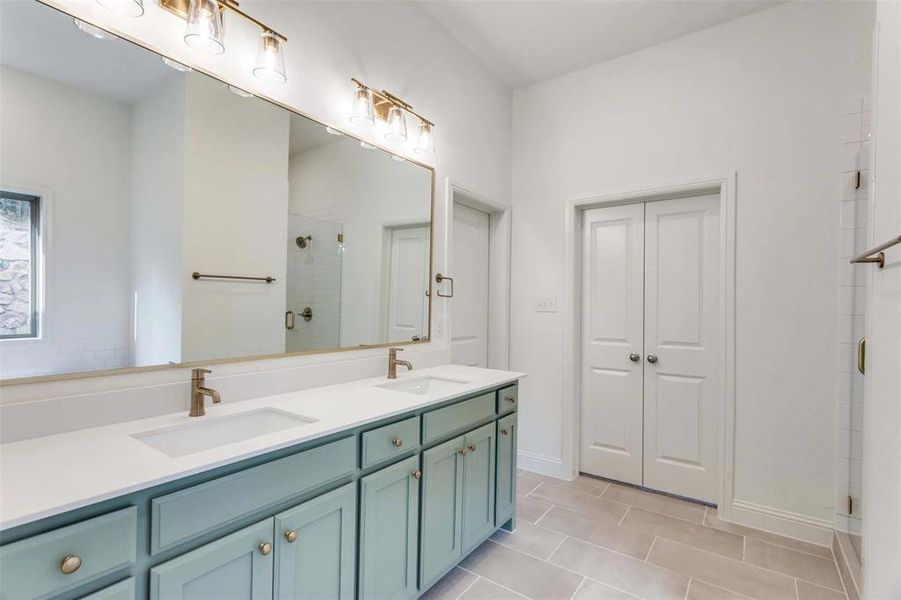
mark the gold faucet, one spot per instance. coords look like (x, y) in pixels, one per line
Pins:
(198, 391)
(393, 362)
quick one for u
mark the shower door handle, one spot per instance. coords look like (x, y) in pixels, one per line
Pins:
(289, 320)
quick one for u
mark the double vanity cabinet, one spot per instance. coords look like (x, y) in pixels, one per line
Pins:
(382, 510)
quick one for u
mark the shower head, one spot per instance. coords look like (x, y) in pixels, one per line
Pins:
(301, 241)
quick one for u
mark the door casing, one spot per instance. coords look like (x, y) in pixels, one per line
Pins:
(724, 186)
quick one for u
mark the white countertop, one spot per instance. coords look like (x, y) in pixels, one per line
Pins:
(49, 475)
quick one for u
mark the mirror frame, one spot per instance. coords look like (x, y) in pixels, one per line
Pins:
(252, 357)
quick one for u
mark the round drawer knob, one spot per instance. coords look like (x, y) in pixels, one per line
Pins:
(462, 451)
(70, 564)
(291, 536)
(397, 442)
(265, 548)
(417, 474)
(505, 431)
(652, 358)
(510, 399)
(634, 357)
(472, 447)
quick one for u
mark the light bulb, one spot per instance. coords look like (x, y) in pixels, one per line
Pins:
(363, 109)
(204, 29)
(93, 31)
(270, 65)
(126, 8)
(397, 125)
(425, 144)
(176, 65)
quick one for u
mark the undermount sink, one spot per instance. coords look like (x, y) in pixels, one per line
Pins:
(423, 385)
(212, 432)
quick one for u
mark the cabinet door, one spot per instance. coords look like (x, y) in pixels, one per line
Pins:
(442, 510)
(506, 470)
(389, 541)
(315, 547)
(232, 568)
(478, 486)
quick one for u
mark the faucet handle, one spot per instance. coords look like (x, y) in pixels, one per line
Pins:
(199, 373)
(395, 350)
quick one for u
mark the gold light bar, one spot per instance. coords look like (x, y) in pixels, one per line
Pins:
(387, 100)
(180, 8)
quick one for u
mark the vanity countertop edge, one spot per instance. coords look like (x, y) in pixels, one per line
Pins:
(46, 476)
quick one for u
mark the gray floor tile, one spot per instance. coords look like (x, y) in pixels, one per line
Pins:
(656, 503)
(598, 531)
(488, 590)
(701, 590)
(581, 502)
(531, 539)
(450, 586)
(592, 590)
(797, 564)
(706, 538)
(809, 591)
(520, 572)
(620, 571)
(711, 520)
(529, 509)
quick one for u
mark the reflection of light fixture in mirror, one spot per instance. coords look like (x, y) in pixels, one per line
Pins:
(370, 104)
(397, 125)
(425, 144)
(270, 65)
(239, 92)
(367, 146)
(398, 158)
(93, 31)
(176, 65)
(333, 131)
(364, 112)
(204, 29)
(126, 8)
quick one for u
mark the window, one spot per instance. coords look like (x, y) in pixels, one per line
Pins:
(19, 229)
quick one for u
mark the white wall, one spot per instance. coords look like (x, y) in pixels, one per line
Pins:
(758, 96)
(236, 198)
(45, 126)
(391, 45)
(365, 192)
(157, 204)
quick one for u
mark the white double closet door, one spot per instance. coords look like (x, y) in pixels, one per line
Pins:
(651, 344)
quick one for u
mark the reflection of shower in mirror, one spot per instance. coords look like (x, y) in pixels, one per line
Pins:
(302, 241)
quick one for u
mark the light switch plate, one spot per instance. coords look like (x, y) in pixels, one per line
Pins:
(546, 304)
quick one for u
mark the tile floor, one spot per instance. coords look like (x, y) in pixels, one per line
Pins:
(589, 539)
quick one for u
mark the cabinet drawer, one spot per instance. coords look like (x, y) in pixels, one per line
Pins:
(507, 399)
(124, 590)
(33, 567)
(181, 516)
(456, 417)
(391, 440)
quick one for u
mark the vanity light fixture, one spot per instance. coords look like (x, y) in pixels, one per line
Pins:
(370, 105)
(205, 31)
(126, 8)
(175, 65)
(94, 31)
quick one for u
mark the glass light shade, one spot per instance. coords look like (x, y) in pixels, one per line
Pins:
(94, 32)
(366, 146)
(397, 125)
(270, 65)
(204, 30)
(176, 65)
(398, 158)
(363, 109)
(126, 8)
(333, 131)
(425, 144)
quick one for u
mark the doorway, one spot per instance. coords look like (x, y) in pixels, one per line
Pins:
(651, 350)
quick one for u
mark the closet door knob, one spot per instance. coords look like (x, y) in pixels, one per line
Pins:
(634, 357)
(652, 358)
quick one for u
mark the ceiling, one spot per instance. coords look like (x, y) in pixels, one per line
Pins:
(523, 42)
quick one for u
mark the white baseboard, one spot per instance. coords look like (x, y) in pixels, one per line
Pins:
(538, 463)
(782, 522)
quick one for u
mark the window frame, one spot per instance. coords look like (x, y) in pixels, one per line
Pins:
(36, 202)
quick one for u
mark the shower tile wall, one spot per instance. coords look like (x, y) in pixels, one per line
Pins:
(314, 280)
(852, 305)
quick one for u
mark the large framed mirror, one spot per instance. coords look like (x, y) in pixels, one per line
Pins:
(151, 217)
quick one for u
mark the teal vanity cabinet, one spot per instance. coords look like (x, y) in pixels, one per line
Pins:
(381, 511)
(389, 531)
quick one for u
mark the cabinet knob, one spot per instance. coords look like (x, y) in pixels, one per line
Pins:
(510, 399)
(417, 474)
(397, 442)
(505, 431)
(634, 357)
(462, 451)
(472, 447)
(69, 564)
(652, 358)
(265, 548)
(291, 536)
